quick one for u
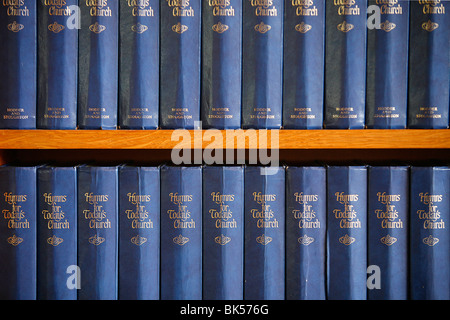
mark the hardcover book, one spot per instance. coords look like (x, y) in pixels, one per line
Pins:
(264, 240)
(139, 232)
(345, 64)
(57, 65)
(262, 64)
(97, 232)
(223, 233)
(306, 222)
(180, 64)
(98, 64)
(18, 64)
(181, 233)
(304, 64)
(18, 233)
(57, 232)
(347, 232)
(139, 65)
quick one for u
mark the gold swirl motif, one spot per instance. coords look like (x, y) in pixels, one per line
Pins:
(387, 26)
(345, 27)
(97, 28)
(222, 240)
(14, 240)
(388, 240)
(430, 26)
(347, 240)
(262, 27)
(15, 27)
(430, 240)
(179, 28)
(95, 240)
(303, 27)
(138, 240)
(180, 240)
(305, 240)
(54, 241)
(263, 239)
(55, 27)
(220, 27)
(139, 28)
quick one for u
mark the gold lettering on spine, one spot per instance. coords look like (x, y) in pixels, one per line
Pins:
(432, 6)
(16, 217)
(347, 7)
(264, 8)
(16, 8)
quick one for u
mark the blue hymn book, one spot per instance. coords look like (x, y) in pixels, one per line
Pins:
(345, 64)
(180, 64)
(18, 233)
(181, 233)
(429, 233)
(262, 64)
(57, 232)
(388, 217)
(139, 232)
(429, 65)
(387, 67)
(347, 232)
(264, 239)
(18, 64)
(98, 58)
(139, 65)
(306, 209)
(304, 64)
(97, 207)
(57, 65)
(223, 233)
(221, 64)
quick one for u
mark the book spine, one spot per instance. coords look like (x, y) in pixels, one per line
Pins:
(345, 58)
(18, 64)
(347, 232)
(223, 233)
(139, 65)
(57, 66)
(98, 65)
(18, 233)
(387, 67)
(429, 80)
(388, 226)
(181, 233)
(139, 232)
(429, 234)
(180, 64)
(97, 232)
(262, 64)
(264, 225)
(304, 64)
(306, 233)
(221, 64)
(57, 232)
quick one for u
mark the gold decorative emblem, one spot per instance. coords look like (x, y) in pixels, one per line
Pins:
(220, 27)
(222, 240)
(97, 28)
(388, 240)
(180, 240)
(387, 26)
(54, 241)
(262, 27)
(305, 240)
(55, 27)
(15, 27)
(138, 240)
(347, 240)
(139, 28)
(430, 26)
(263, 239)
(14, 240)
(95, 240)
(303, 27)
(345, 27)
(179, 28)
(430, 240)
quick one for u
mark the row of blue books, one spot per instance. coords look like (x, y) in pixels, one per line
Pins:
(225, 232)
(230, 64)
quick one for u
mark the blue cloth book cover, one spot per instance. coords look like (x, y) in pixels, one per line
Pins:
(221, 64)
(139, 65)
(181, 233)
(57, 65)
(18, 233)
(97, 207)
(429, 64)
(347, 232)
(139, 232)
(57, 232)
(387, 67)
(345, 64)
(429, 233)
(180, 64)
(304, 64)
(18, 89)
(264, 239)
(388, 227)
(262, 64)
(223, 233)
(98, 58)
(306, 209)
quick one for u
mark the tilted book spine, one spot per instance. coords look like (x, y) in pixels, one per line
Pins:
(262, 64)
(139, 65)
(57, 65)
(221, 64)
(387, 67)
(18, 64)
(304, 64)
(139, 232)
(306, 233)
(98, 65)
(223, 233)
(57, 232)
(180, 64)
(345, 64)
(18, 233)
